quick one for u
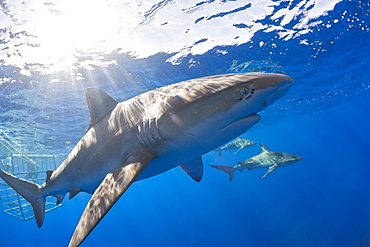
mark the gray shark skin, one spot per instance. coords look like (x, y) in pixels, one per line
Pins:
(238, 143)
(266, 159)
(149, 134)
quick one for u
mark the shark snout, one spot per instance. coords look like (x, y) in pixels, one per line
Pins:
(295, 159)
(278, 89)
(298, 158)
(283, 87)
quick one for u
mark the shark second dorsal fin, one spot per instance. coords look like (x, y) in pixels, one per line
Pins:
(48, 175)
(194, 169)
(99, 103)
(264, 148)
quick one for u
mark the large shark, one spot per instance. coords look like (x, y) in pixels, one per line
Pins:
(266, 159)
(238, 143)
(149, 134)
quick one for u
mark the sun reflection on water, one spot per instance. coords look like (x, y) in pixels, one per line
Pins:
(73, 29)
(57, 35)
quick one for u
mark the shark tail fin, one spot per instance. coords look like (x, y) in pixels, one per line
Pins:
(228, 169)
(30, 191)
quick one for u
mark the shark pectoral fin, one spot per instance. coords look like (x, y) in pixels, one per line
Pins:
(271, 169)
(237, 151)
(106, 195)
(194, 169)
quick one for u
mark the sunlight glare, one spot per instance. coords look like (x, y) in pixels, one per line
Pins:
(77, 28)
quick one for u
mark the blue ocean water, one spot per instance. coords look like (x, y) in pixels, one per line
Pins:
(322, 200)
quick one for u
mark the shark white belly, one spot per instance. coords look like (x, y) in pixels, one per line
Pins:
(150, 134)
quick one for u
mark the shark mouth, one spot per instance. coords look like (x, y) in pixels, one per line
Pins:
(244, 123)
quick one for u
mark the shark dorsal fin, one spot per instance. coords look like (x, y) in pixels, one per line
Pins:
(99, 103)
(264, 148)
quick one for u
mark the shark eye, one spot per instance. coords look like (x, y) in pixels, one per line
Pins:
(244, 91)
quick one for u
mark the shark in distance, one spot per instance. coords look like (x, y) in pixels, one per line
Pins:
(238, 143)
(149, 134)
(266, 159)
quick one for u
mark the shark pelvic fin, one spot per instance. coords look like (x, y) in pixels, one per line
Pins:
(228, 169)
(106, 195)
(73, 192)
(194, 169)
(30, 191)
(271, 169)
(100, 103)
(264, 148)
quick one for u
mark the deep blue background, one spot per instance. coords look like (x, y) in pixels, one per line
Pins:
(323, 200)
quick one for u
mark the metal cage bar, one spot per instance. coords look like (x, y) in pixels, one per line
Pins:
(29, 167)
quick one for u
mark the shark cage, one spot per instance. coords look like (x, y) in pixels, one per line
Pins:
(30, 167)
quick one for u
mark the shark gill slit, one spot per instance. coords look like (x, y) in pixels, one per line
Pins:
(148, 133)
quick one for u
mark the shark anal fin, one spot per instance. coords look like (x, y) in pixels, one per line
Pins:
(194, 169)
(59, 198)
(271, 169)
(105, 196)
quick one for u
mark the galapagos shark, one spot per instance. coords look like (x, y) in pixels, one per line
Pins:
(238, 143)
(266, 159)
(149, 134)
